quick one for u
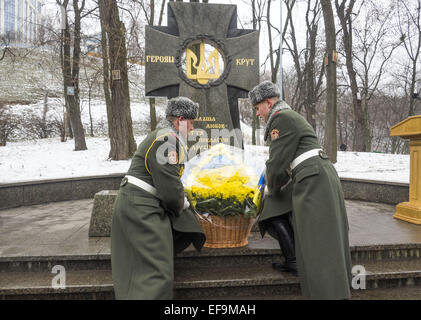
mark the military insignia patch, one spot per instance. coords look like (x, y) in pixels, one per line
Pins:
(172, 157)
(274, 134)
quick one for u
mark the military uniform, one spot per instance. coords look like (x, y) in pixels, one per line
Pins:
(320, 220)
(274, 205)
(148, 230)
(277, 202)
(276, 215)
(319, 214)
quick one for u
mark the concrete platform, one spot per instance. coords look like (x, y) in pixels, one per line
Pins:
(33, 239)
(61, 229)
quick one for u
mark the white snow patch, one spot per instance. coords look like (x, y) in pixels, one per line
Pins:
(51, 159)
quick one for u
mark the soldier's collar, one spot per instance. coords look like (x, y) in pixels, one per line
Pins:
(278, 106)
(166, 124)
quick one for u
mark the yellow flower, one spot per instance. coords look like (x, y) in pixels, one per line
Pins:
(234, 182)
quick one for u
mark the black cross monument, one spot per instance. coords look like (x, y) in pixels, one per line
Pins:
(181, 60)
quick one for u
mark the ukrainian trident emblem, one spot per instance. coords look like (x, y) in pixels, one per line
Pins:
(206, 67)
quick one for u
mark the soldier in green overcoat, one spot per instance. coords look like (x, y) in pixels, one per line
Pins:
(151, 218)
(319, 214)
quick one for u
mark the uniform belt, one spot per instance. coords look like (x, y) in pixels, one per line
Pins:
(139, 183)
(306, 155)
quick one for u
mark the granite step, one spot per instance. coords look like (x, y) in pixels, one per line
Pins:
(262, 280)
(258, 251)
(212, 282)
(208, 257)
(399, 293)
(81, 284)
(43, 263)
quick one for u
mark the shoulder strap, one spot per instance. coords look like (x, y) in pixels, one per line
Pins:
(181, 156)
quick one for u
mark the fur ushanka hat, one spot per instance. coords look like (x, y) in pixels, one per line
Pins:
(182, 106)
(262, 91)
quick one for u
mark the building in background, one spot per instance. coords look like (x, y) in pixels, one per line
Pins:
(19, 20)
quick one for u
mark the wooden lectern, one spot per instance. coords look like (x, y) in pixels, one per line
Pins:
(410, 128)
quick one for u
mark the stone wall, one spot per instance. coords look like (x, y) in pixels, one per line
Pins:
(37, 192)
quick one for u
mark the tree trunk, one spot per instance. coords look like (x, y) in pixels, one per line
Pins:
(74, 106)
(255, 120)
(412, 89)
(152, 109)
(152, 112)
(339, 122)
(273, 66)
(71, 77)
(345, 17)
(45, 110)
(122, 141)
(90, 113)
(65, 55)
(330, 144)
(161, 14)
(311, 114)
(105, 66)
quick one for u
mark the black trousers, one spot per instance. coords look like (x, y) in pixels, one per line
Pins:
(281, 228)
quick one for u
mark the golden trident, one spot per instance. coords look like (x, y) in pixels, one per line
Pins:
(202, 70)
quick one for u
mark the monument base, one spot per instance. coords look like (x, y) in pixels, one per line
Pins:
(102, 213)
(408, 212)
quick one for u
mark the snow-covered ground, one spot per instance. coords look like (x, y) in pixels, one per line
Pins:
(51, 159)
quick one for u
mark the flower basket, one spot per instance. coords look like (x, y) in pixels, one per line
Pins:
(225, 232)
(225, 194)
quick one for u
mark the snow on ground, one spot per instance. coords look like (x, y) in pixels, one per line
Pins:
(51, 159)
(373, 166)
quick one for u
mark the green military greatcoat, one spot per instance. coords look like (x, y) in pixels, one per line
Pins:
(147, 230)
(277, 203)
(319, 214)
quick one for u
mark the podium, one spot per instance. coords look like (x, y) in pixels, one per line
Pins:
(410, 128)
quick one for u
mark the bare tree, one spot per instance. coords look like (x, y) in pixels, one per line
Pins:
(257, 13)
(105, 64)
(346, 17)
(149, 12)
(410, 32)
(5, 46)
(70, 68)
(368, 44)
(120, 126)
(8, 123)
(92, 80)
(307, 61)
(274, 64)
(330, 143)
(375, 45)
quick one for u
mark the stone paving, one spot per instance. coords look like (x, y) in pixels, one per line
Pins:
(61, 228)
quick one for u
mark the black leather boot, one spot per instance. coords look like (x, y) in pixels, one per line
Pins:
(281, 229)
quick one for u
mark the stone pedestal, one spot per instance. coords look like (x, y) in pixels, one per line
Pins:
(102, 212)
(410, 128)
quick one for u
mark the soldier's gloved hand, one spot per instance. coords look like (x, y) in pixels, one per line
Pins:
(186, 203)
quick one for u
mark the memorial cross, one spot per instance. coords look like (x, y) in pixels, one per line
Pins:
(202, 55)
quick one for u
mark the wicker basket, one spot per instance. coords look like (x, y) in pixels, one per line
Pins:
(225, 232)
